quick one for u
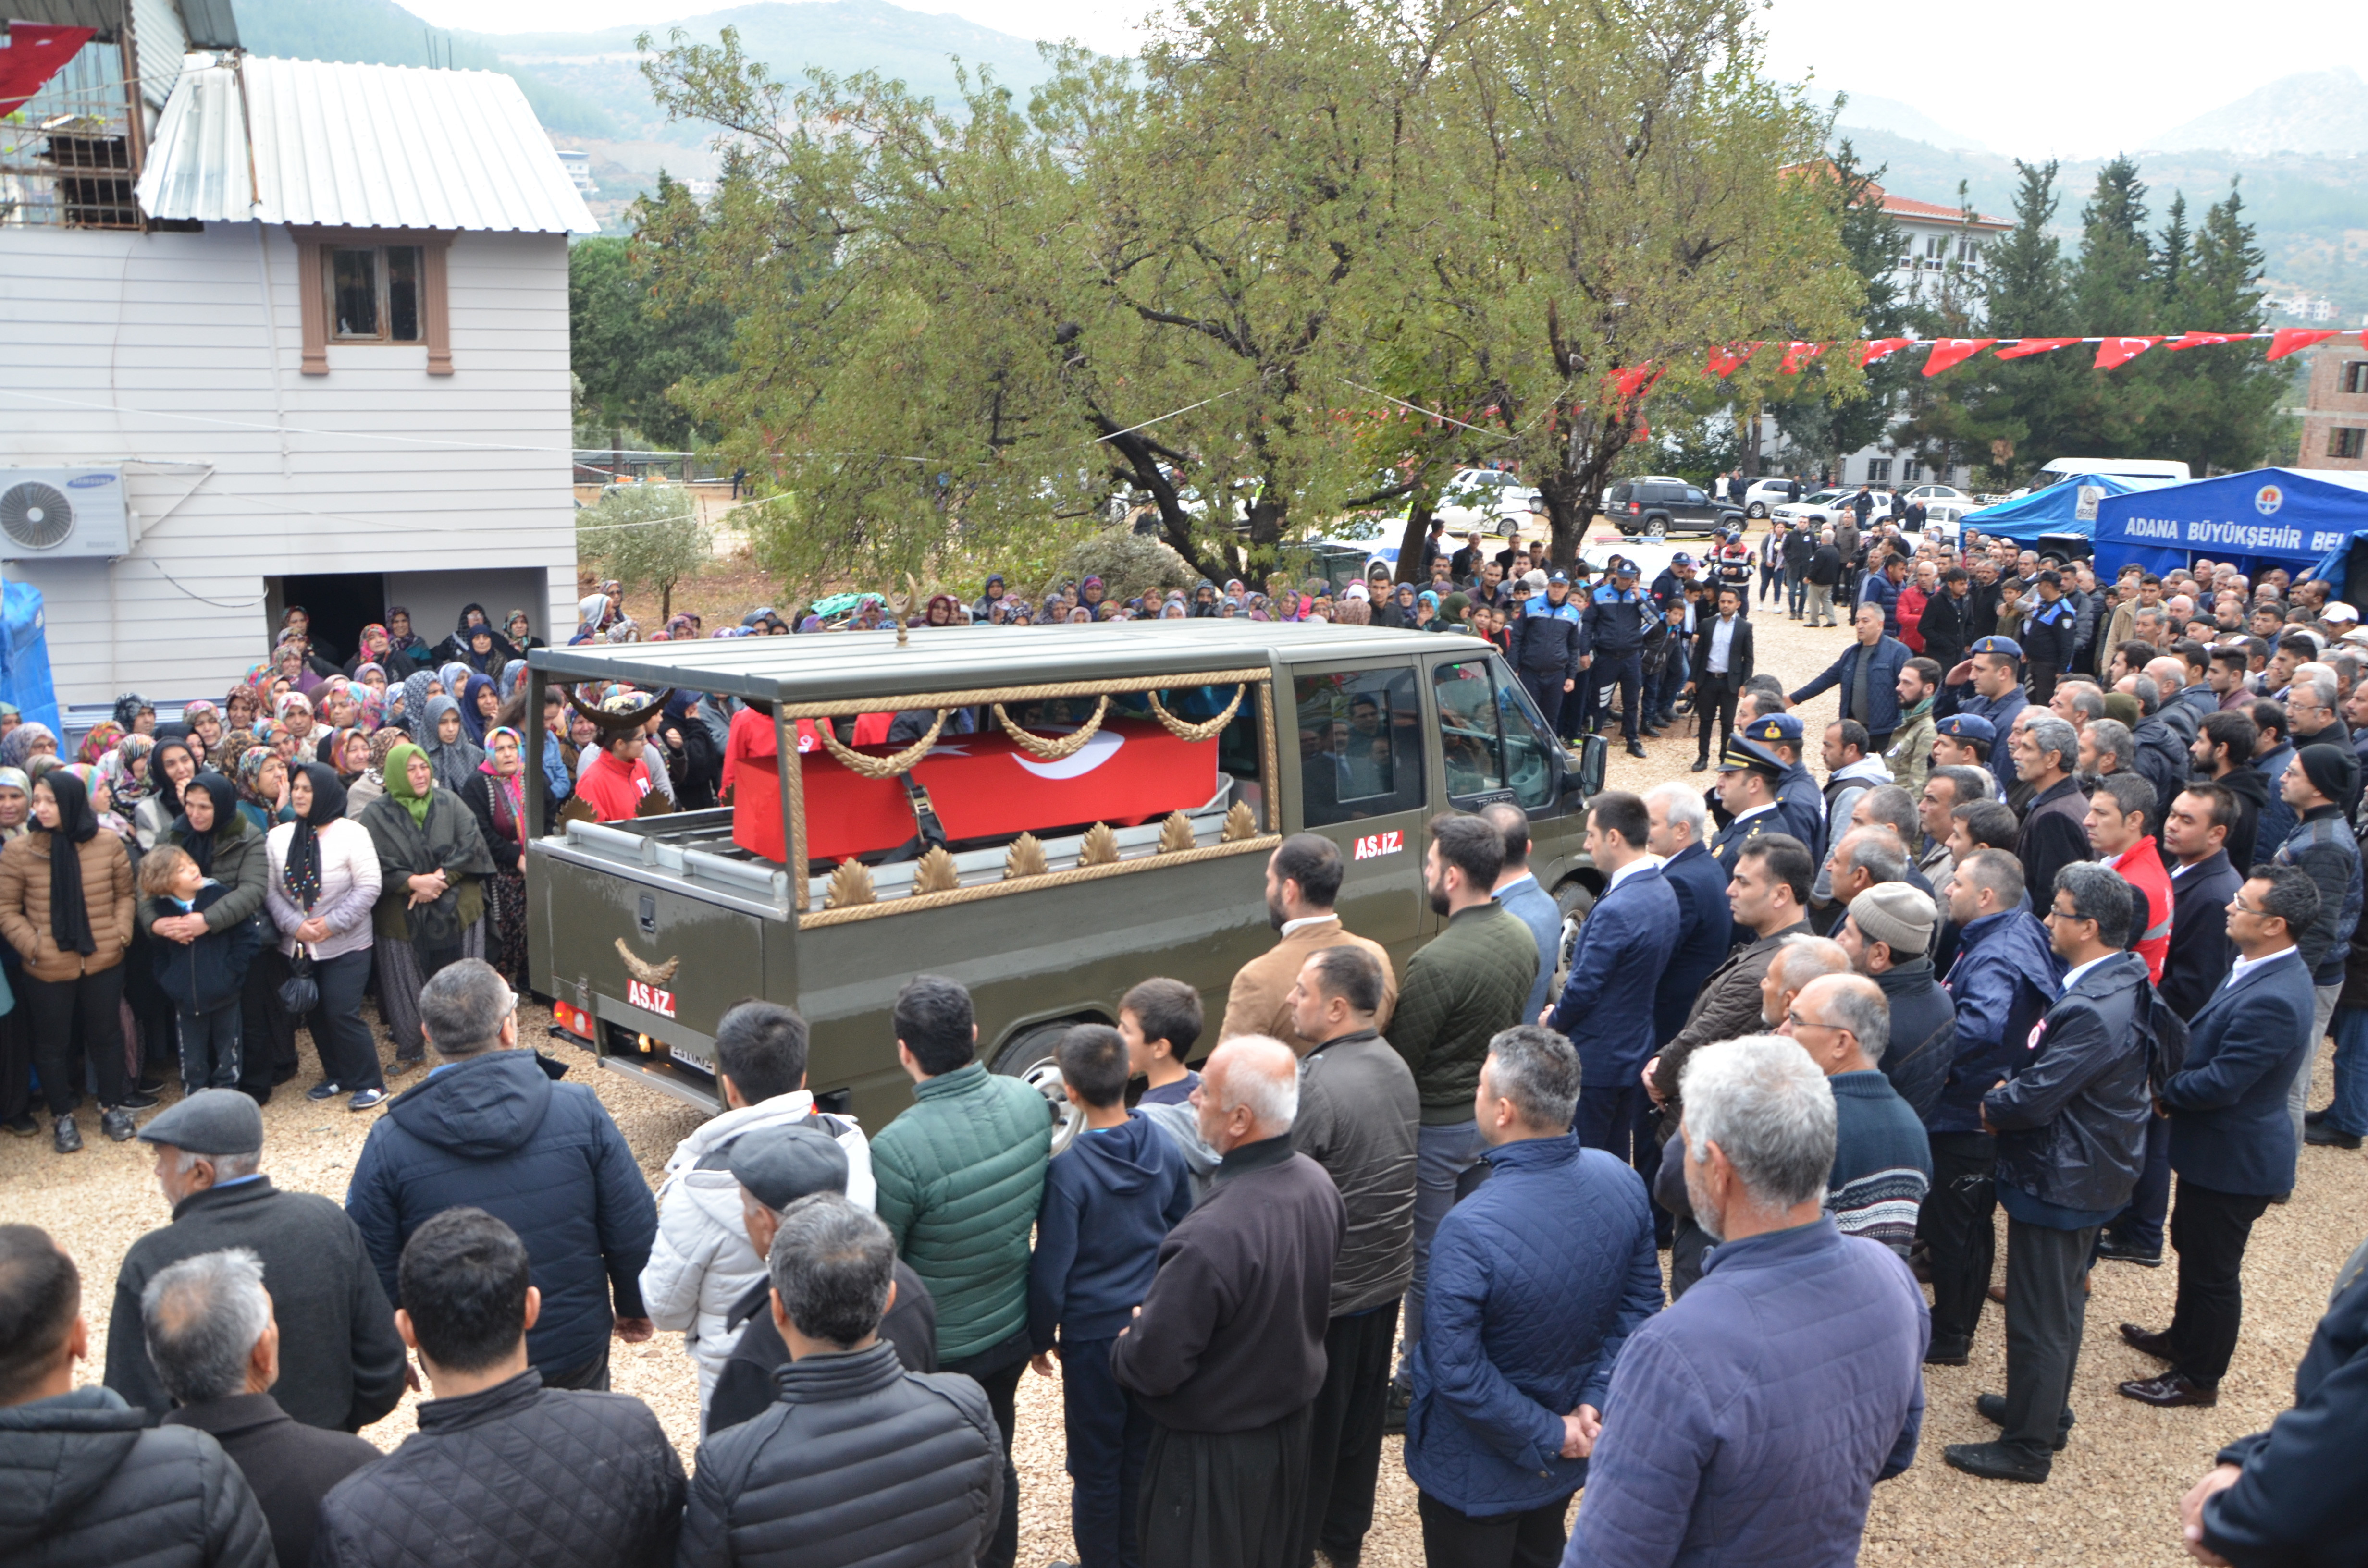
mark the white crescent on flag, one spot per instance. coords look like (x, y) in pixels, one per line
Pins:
(1092, 754)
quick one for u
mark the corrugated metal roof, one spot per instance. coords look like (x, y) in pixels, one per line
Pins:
(205, 24)
(363, 146)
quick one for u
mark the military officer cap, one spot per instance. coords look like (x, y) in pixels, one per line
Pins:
(1968, 726)
(2006, 646)
(1741, 751)
(1774, 729)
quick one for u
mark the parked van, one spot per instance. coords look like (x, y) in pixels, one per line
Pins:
(1078, 809)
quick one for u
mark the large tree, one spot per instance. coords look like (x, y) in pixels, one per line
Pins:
(630, 350)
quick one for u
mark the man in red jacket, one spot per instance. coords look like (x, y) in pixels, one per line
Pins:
(2119, 810)
(1914, 595)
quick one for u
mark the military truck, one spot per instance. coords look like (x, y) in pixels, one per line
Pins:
(1052, 815)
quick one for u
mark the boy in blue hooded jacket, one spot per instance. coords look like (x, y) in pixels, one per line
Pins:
(1109, 1200)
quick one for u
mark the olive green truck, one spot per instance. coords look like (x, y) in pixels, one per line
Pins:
(1046, 814)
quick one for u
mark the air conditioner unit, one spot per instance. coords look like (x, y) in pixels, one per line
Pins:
(64, 513)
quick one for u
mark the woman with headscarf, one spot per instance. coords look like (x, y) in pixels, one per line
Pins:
(591, 619)
(694, 763)
(518, 628)
(410, 708)
(204, 721)
(16, 804)
(262, 780)
(496, 798)
(371, 676)
(134, 714)
(479, 703)
(375, 649)
(453, 676)
(170, 767)
(372, 782)
(431, 906)
(126, 770)
(292, 662)
(66, 907)
(449, 750)
(346, 754)
(305, 737)
(406, 651)
(323, 892)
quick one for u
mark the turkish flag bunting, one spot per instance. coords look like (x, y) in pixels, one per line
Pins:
(1795, 354)
(1876, 348)
(2030, 346)
(1725, 362)
(2204, 339)
(1948, 351)
(1637, 379)
(35, 54)
(2115, 352)
(2289, 338)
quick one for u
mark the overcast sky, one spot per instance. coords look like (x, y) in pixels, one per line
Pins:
(2071, 78)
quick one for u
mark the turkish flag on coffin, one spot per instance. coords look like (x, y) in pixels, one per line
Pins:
(983, 786)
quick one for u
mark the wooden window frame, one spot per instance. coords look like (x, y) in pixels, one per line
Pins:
(311, 287)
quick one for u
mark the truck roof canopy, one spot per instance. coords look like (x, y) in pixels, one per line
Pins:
(841, 665)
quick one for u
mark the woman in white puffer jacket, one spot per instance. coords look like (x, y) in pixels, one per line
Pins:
(702, 1263)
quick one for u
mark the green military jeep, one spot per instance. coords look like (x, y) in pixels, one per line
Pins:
(1047, 814)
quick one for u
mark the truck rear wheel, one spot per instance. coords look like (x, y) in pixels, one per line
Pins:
(1029, 1057)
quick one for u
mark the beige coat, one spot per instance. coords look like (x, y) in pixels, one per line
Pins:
(25, 904)
(1259, 1001)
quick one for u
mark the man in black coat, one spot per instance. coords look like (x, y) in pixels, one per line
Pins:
(490, 1127)
(776, 1167)
(208, 1327)
(2071, 1129)
(1888, 936)
(1227, 1351)
(858, 1457)
(1721, 662)
(341, 1366)
(91, 1483)
(2053, 831)
(502, 1469)
(2231, 1138)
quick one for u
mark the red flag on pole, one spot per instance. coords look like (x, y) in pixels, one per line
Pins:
(2205, 340)
(1877, 349)
(1725, 362)
(1948, 351)
(2027, 346)
(2289, 338)
(1796, 354)
(2115, 352)
(35, 54)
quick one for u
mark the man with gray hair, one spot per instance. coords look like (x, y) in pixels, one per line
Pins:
(887, 1464)
(1883, 1165)
(342, 1367)
(1537, 1278)
(1226, 1352)
(2054, 834)
(1750, 1421)
(490, 1129)
(2107, 748)
(213, 1337)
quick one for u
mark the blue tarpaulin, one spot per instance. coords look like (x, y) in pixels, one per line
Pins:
(25, 655)
(2068, 506)
(2266, 516)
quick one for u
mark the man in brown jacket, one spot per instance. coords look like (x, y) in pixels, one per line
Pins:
(1302, 878)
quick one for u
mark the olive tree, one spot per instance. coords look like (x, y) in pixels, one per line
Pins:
(649, 536)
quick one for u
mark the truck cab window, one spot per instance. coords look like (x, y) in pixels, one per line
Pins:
(1359, 745)
(1493, 742)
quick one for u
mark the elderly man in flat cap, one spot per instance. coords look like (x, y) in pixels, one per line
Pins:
(341, 1364)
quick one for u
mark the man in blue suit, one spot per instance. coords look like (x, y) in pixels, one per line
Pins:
(1517, 891)
(2231, 1138)
(1679, 823)
(1606, 1006)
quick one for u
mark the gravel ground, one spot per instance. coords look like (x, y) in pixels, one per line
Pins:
(2114, 1498)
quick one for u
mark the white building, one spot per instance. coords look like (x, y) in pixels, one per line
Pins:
(325, 358)
(578, 165)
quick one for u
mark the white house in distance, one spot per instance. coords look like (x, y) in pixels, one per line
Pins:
(276, 332)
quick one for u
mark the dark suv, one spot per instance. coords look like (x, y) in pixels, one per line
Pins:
(1656, 507)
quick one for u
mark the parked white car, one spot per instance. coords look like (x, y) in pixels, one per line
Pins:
(1762, 494)
(1489, 499)
(1816, 503)
(1932, 494)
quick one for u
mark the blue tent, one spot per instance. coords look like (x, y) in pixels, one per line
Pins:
(2068, 506)
(25, 656)
(2267, 517)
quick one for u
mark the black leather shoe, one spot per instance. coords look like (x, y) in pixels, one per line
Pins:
(22, 1127)
(1949, 1352)
(139, 1099)
(2171, 1391)
(2121, 1252)
(2313, 1117)
(117, 1123)
(65, 1137)
(2148, 1341)
(1636, 748)
(1393, 1414)
(2326, 1137)
(1703, 765)
(1991, 1407)
(1995, 1461)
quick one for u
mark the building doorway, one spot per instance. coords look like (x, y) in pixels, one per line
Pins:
(340, 603)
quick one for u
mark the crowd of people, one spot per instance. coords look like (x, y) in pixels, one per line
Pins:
(2059, 931)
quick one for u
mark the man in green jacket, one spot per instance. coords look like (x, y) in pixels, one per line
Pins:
(960, 1175)
(1472, 980)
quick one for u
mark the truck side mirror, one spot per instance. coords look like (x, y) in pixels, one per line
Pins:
(1583, 769)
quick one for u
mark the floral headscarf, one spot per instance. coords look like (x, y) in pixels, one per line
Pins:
(104, 738)
(375, 643)
(508, 792)
(367, 668)
(250, 777)
(126, 770)
(18, 745)
(339, 743)
(241, 706)
(193, 711)
(381, 742)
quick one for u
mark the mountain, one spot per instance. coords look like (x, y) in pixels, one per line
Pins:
(2317, 111)
(1864, 111)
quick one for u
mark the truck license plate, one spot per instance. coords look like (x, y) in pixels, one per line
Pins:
(649, 998)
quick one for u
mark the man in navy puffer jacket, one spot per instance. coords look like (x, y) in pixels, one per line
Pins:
(490, 1129)
(1536, 1280)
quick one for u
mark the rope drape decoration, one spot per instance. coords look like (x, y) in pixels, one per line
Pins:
(887, 767)
(1044, 750)
(1196, 732)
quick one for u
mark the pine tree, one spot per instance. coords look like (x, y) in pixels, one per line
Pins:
(2231, 393)
(2117, 290)
(2171, 261)
(2015, 410)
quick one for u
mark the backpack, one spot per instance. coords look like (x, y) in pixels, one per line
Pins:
(2165, 1034)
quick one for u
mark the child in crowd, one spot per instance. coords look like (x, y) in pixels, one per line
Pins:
(203, 977)
(1109, 1200)
(1160, 1021)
